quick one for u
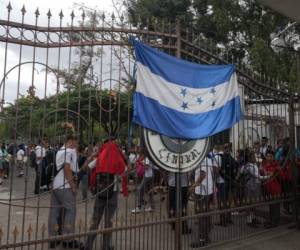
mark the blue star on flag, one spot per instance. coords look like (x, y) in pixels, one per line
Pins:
(183, 92)
(199, 100)
(184, 105)
(213, 91)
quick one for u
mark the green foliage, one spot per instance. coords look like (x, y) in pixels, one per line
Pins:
(169, 9)
(243, 28)
(82, 108)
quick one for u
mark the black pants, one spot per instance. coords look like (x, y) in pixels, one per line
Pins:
(172, 204)
(106, 207)
(40, 178)
(223, 199)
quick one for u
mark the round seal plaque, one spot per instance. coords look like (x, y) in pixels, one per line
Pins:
(175, 155)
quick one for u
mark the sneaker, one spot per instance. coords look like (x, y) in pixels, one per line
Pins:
(149, 209)
(21, 174)
(137, 210)
(5, 176)
(1, 181)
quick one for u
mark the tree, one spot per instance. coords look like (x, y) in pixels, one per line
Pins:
(242, 28)
(103, 112)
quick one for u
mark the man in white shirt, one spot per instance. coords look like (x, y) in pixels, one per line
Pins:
(63, 194)
(40, 153)
(20, 160)
(204, 190)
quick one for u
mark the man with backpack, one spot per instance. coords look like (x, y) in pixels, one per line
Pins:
(109, 163)
(62, 213)
(227, 170)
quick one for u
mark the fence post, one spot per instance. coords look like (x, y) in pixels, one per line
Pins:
(178, 228)
(293, 157)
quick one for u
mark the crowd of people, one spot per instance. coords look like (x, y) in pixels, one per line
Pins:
(223, 178)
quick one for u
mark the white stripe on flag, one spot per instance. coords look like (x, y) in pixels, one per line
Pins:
(170, 94)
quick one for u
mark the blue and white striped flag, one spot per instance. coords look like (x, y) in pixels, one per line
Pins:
(183, 100)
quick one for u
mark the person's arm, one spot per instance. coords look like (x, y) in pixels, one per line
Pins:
(260, 177)
(199, 179)
(69, 176)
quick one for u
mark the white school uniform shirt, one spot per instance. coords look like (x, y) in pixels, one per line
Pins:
(20, 155)
(132, 158)
(184, 179)
(218, 161)
(148, 169)
(64, 155)
(40, 152)
(206, 187)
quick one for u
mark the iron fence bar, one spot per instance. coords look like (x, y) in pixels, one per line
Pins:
(293, 159)
(99, 29)
(5, 55)
(178, 229)
(79, 44)
(139, 225)
(222, 60)
(15, 131)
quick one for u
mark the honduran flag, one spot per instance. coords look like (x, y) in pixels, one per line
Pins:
(181, 99)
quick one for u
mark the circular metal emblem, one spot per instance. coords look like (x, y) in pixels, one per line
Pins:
(175, 155)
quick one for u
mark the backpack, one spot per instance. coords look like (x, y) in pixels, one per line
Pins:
(229, 168)
(49, 164)
(32, 159)
(101, 184)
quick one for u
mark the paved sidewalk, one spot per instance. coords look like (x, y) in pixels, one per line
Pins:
(277, 239)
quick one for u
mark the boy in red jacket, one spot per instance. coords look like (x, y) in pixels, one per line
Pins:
(109, 164)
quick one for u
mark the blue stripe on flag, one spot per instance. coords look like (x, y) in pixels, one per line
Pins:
(179, 71)
(150, 114)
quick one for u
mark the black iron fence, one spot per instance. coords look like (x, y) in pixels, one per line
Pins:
(81, 76)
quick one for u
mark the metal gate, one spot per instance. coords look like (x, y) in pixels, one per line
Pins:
(78, 70)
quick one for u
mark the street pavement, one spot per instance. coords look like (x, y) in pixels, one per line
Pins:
(23, 220)
(281, 238)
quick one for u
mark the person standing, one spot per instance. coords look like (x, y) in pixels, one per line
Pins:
(145, 186)
(20, 160)
(184, 183)
(40, 153)
(63, 196)
(252, 182)
(204, 190)
(106, 168)
(4, 161)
